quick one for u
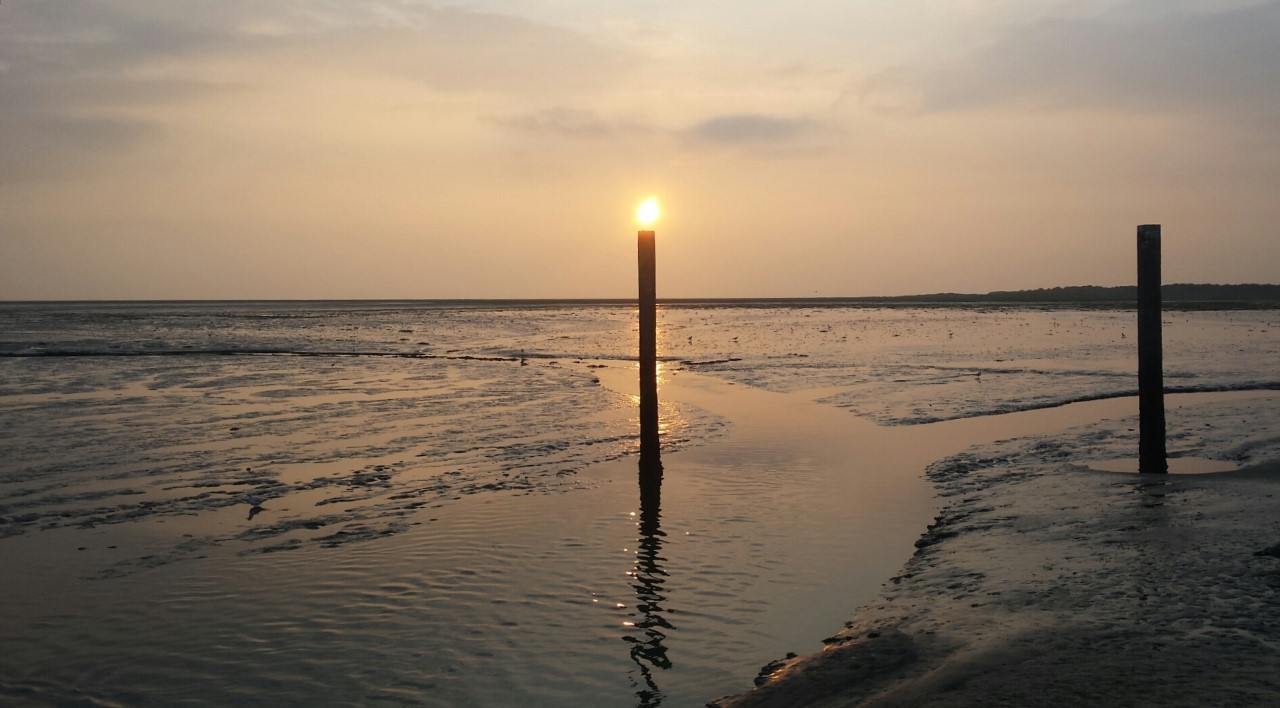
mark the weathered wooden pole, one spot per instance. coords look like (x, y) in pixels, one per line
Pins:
(1151, 431)
(648, 347)
(648, 650)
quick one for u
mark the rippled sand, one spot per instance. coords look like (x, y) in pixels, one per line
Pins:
(1044, 581)
(448, 510)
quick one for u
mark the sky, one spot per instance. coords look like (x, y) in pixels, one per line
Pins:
(317, 149)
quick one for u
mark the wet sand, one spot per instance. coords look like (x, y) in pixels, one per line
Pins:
(467, 524)
(770, 532)
(1044, 581)
(535, 587)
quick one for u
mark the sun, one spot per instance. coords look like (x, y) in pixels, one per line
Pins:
(648, 211)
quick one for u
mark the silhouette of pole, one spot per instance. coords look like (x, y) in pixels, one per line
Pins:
(1151, 430)
(648, 346)
(648, 649)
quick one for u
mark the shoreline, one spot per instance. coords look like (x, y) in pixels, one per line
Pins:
(471, 528)
(792, 504)
(1043, 581)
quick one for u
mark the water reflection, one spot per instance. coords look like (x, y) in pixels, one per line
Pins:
(1153, 490)
(648, 650)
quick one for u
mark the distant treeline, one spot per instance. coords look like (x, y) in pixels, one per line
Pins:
(1185, 293)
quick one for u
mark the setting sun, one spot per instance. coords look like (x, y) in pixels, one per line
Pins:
(648, 211)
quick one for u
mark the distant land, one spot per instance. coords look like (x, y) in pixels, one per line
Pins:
(1178, 296)
(1176, 293)
(1182, 296)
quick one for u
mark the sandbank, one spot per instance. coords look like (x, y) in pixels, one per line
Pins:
(1044, 581)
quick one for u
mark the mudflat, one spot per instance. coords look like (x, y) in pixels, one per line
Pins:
(1044, 581)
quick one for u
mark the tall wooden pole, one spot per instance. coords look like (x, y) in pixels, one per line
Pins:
(648, 349)
(1151, 430)
(648, 651)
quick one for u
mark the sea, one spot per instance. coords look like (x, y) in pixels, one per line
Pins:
(436, 502)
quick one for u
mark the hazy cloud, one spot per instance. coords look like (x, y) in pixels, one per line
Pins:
(448, 48)
(568, 122)
(751, 128)
(38, 146)
(66, 86)
(1217, 61)
(74, 72)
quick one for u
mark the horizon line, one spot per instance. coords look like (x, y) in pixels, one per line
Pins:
(919, 297)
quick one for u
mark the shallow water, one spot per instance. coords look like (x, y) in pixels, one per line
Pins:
(444, 524)
(1176, 465)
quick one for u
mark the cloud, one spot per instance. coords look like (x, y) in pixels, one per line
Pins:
(41, 146)
(752, 129)
(569, 123)
(69, 83)
(1216, 61)
(448, 48)
(75, 74)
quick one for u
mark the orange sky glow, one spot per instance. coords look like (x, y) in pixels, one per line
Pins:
(172, 149)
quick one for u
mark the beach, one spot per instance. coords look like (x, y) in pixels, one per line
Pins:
(638, 355)
(1043, 581)
(226, 502)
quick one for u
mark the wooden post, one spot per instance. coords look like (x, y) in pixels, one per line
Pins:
(1151, 430)
(648, 650)
(648, 348)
